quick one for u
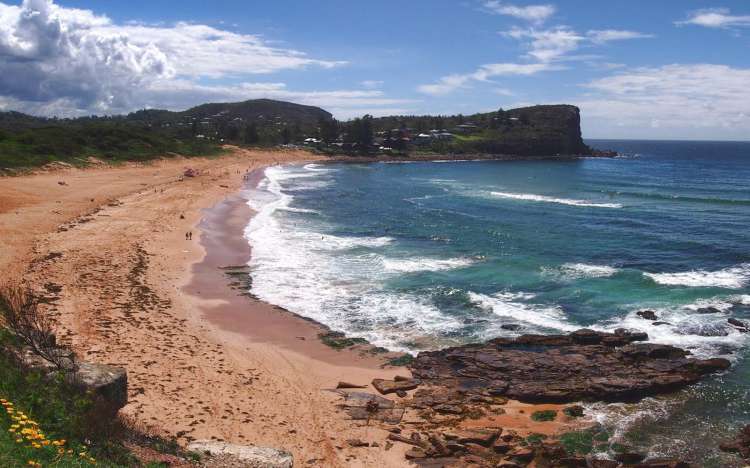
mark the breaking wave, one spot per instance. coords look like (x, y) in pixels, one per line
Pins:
(730, 278)
(546, 199)
(425, 264)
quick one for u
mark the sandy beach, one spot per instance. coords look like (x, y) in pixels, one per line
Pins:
(107, 245)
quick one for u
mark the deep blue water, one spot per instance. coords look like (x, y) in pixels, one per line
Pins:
(424, 255)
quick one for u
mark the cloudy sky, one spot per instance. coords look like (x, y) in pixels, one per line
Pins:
(672, 69)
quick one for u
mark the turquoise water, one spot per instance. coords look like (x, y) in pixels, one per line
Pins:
(424, 255)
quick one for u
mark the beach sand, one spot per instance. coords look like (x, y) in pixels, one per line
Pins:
(107, 245)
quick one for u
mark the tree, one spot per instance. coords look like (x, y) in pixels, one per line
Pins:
(329, 130)
(360, 133)
(233, 133)
(251, 134)
(286, 135)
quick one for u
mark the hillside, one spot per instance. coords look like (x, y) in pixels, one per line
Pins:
(25, 140)
(545, 130)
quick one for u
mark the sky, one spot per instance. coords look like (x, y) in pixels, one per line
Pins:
(668, 69)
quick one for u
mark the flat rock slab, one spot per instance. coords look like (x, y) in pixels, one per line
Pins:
(392, 386)
(367, 406)
(244, 456)
(584, 365)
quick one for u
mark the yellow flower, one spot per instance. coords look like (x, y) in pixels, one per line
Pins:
(19, 440)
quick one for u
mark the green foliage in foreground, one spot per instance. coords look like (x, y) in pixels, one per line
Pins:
(57, 409)
(59, 412)
(110, 141)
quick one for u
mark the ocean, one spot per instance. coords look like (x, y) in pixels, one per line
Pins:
(417, 256)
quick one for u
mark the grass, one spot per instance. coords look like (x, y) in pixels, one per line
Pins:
(42, 420)
(545, 415)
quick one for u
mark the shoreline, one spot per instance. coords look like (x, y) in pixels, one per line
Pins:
(226, 254)
(113, 265)
(204, 360)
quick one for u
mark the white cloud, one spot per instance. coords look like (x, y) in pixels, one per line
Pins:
(554, 44)
(450, 83)
(546, 47)
(536, 14)
(682, 101)
(67, 61)
(602, 36)
(199, 50)
(548, 44)
(371, 84)
(715, 18)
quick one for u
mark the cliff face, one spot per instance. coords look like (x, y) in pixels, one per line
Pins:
(535, 131)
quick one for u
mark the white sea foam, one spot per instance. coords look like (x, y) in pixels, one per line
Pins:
(583, 270)
(704, 334)
(425, 264)
(328, 278)
(507, 305)
(730, 278)
(546, 199)
(318, 168)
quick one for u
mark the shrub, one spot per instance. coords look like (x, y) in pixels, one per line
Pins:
(30, 327)
(545, 415)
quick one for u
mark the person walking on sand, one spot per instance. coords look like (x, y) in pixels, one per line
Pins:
(187, 236)
(190, 234)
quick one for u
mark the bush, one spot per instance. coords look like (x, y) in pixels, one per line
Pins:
(546, 415)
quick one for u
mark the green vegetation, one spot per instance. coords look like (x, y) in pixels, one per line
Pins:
(27, 141)
(46, 420)
(404, 360)
(535, 439)
(39, 413)
(584, 442)
(113, 141)
(338, 340)
(546, 415)
(575, 411)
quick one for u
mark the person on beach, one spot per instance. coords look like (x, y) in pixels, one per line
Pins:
(187, 236)
(190, 234)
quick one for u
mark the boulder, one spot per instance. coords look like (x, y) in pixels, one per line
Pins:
(647, 314)
(392, 386)
(248, 456)
(109, 383)
(629, 458)
(737, 323)
(740, 444)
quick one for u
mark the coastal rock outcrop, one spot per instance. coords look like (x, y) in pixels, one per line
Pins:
(583, 365)
(740, 445)
(244, 456)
